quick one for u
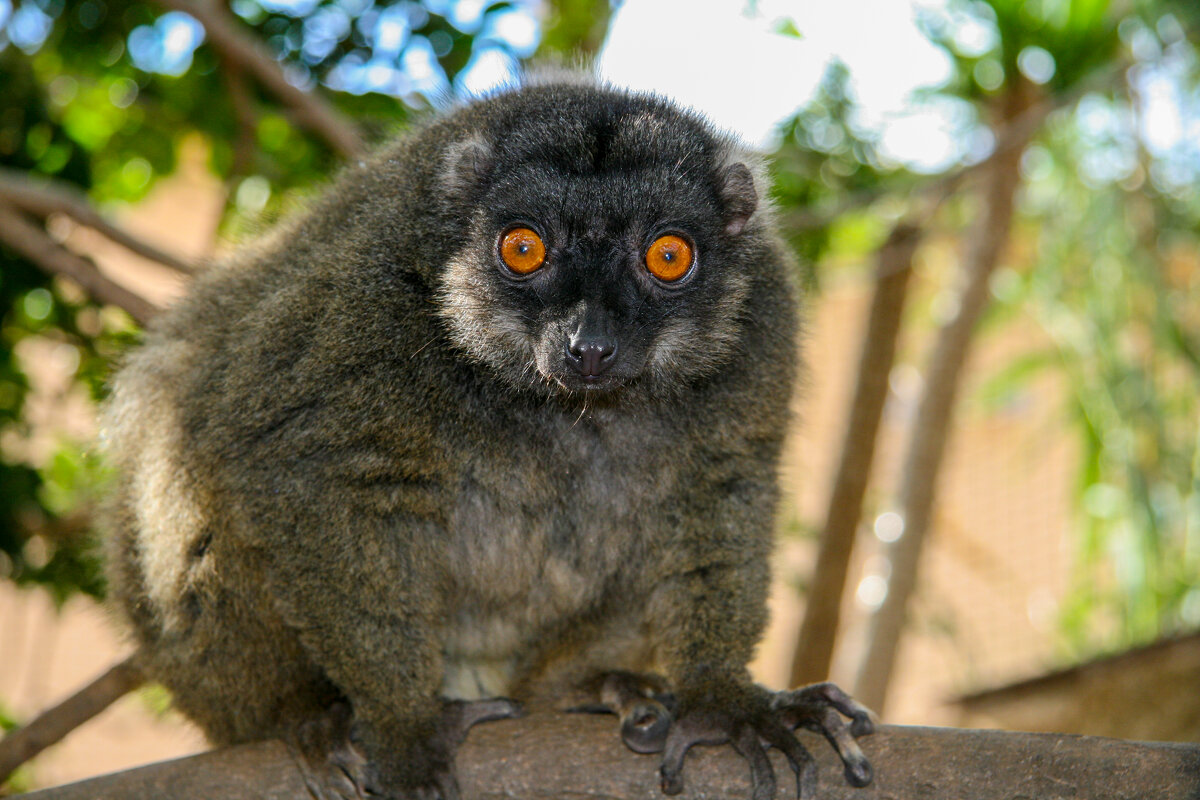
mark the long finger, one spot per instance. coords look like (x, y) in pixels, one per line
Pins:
(675, 750)
(803, 765)
(858, 769)
(811, 700)
(762, 777)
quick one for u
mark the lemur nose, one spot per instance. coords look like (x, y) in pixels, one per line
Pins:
(591, 356)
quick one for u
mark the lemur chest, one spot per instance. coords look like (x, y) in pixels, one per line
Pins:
(544, 544)
(540, 540)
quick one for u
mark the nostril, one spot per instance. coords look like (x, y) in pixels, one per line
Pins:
(591, 357)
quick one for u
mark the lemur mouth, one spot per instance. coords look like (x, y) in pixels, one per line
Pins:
(598, 384)
(590, 385)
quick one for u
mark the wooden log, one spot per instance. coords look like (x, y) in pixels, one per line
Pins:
(576, 756)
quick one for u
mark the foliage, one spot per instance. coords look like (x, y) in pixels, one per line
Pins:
(1117, 284)
(35, 545)
(576, 28)
(823, 158)
(1114, 225)
(1054, 43)
(1110, 211)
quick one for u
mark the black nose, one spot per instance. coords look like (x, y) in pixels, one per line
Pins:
(591, 355)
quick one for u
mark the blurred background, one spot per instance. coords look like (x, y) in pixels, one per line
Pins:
(992, 513)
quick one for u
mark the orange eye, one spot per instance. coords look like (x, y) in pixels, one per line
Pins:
(669, 258)
(522, 250)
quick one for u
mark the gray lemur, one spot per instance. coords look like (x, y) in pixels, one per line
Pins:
(498, 416)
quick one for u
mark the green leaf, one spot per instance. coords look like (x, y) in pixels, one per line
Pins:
(787, 27)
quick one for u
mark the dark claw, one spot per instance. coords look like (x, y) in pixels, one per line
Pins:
(752, 719)
(860, 774)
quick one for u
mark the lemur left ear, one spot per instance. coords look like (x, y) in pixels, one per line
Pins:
(739, 195)
(466, 164)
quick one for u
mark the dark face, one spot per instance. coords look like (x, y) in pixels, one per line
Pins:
(607, 250)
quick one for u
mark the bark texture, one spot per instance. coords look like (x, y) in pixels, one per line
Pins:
(577, 756)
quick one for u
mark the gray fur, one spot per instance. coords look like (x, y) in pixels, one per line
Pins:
(355, 467)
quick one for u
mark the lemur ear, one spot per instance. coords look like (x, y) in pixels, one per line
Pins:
(739, 196)
(466, 165)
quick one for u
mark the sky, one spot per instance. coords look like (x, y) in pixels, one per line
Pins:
(727, 59)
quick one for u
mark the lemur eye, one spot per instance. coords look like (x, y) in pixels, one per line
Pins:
(669, 258)
(522, 250)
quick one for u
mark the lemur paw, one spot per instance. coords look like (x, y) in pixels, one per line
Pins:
(333, 768)
(752, 719)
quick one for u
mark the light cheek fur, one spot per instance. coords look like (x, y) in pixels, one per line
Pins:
(479, 324)
(690, 346)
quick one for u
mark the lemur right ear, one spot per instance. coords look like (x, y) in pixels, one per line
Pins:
(739, 195)
(466, 165)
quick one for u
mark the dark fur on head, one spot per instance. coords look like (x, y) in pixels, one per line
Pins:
(599, 175)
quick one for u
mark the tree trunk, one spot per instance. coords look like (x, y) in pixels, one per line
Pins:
(929, 433)
(818, 632)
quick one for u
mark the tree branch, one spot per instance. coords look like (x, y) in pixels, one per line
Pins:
(32, 242)
(43, 198)
(822, 612)
(308, 109)
(51, 726)
(578, 756)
